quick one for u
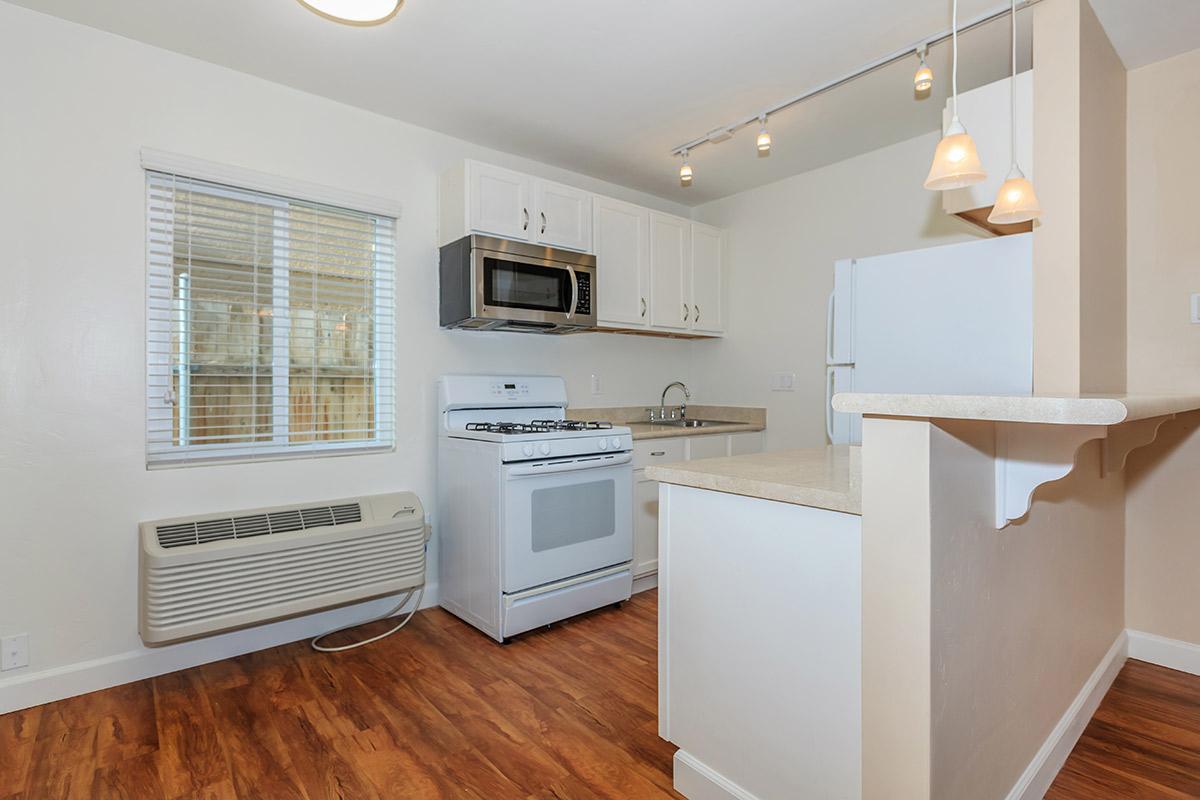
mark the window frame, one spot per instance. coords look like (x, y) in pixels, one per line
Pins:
(160, 327)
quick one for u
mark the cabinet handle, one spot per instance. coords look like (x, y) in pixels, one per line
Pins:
(543, 222)
(697, 314)
(686, 312)
(525, 216)
(658, 452)
(643, 308)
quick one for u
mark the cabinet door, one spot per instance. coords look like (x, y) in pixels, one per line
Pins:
(741, 444)
(621, 233)
(707, 280)
(670, 257)
(645, 525)
(563, 216)
(715, 446)
(500, 201)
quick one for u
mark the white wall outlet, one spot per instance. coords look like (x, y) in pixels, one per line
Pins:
(783, 382)
(14, 651)
(596, 384)
(1196, 309)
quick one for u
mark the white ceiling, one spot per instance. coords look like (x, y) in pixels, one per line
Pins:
(1145, 31)
(603, 88)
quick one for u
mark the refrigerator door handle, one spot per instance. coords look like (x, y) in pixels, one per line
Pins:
(829, 329)
(829, 403)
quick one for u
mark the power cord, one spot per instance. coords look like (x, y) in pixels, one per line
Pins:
(419, 591)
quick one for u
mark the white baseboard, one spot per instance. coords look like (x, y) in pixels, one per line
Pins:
(696, 780)
(1169, 653)
(1040, 773)
(645, 582)
(45, 686)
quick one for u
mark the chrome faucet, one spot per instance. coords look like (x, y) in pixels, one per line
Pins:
(662, 403)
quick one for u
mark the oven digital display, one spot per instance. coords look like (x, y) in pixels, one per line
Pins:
(510, 386)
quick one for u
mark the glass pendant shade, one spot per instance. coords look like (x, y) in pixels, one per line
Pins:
(923, 80)
(355, 12)
(955, 162)
(1016, 201)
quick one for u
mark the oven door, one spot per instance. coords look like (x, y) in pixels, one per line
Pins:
(564, 518)
(532, 290)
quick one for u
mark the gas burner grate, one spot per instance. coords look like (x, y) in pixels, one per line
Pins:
(572, 425)
(538, 426)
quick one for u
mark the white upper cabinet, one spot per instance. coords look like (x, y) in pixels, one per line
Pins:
(564, 216)
(670, 262)
(622, 236)
(707, 280)
(482, 198)
(984, 112)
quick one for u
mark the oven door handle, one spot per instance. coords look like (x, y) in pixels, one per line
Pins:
(525, 471)
(574, 291)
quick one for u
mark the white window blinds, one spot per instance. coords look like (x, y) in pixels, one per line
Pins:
(270, 325)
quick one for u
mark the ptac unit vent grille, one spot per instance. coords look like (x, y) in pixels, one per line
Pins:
(189, 534)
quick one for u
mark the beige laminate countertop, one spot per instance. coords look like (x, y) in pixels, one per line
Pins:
(822, 477)
(651, 430)
(1083, 409)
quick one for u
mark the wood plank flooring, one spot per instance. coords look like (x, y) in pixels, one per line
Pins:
(1143, 742)
(435, 711)
(440, 711)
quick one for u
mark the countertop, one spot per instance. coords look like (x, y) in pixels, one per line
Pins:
(739, 419)
(822, 477)
(1083, 409)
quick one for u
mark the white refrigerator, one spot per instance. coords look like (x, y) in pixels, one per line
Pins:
(955, 319)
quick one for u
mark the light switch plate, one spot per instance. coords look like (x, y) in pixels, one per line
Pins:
(596, 384)
(14, 651)
(783, 382)
(1196, 309)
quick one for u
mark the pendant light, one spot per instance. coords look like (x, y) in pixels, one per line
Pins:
(685, 171)
(1016, 201)
(956, 161)
(764, 138)
(923, 80)
(354, 12)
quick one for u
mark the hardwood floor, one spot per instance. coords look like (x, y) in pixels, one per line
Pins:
(1143, 741)
(435, 711)
(439, 711)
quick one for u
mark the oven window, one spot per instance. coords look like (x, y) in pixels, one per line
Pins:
(513, 284)
(567, 515)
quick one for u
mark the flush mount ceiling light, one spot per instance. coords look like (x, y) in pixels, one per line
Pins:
(956, 160)
(1016, 201)
(354, 12)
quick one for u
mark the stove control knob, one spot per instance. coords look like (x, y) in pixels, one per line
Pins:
(616, 443)
(545, 449)
(603, 444)
(527, 450)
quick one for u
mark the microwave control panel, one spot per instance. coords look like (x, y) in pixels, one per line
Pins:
(584, 306)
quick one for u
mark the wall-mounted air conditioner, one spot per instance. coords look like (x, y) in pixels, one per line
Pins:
(216, 572)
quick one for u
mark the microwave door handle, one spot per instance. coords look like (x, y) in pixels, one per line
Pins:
(523, 471)
(574, 291)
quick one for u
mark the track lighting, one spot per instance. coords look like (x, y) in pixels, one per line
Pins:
(1016, 201)
(923, 80)
(956, 160)
(764, 138)
(685, 171)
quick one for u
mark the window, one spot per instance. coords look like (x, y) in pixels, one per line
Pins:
(269, 322)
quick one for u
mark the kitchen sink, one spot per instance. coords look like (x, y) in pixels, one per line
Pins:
(691, 423)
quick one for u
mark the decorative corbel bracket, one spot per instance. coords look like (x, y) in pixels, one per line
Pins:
(1125, 438)
(1029, 455)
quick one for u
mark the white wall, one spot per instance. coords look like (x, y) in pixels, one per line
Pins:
(73, 484)
(782, 241)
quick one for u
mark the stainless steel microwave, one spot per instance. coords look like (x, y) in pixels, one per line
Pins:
(497, 284)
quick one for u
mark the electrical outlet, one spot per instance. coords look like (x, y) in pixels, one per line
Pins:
(1196, 309)
(596, 384)
(14, 651)
(783, 382)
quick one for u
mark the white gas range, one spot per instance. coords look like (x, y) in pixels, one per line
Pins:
(535, 511)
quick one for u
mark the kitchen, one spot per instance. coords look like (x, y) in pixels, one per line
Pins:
(771, 229)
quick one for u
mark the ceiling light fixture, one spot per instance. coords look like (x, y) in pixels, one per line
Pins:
(956, 160)
(764, 138)
(354, 12)
(685, 171)
(1016, 201)
(923, 80)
